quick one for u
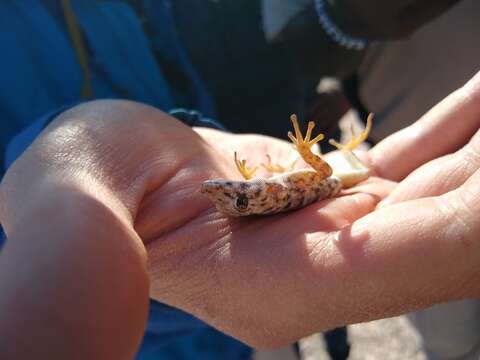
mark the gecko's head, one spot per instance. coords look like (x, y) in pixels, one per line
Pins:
(241, 198)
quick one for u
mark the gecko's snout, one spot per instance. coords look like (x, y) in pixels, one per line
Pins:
(228, 196)
(210, 187)
(205, 188)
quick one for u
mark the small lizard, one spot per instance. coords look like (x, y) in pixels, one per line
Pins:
(289, 190)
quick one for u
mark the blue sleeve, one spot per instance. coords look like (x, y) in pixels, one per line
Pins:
(195, 118)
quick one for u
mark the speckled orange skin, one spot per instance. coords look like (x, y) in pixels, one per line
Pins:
(285, 192)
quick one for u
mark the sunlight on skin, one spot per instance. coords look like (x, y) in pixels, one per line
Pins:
(264, 280)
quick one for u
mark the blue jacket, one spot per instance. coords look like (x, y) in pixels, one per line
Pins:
(41, 76)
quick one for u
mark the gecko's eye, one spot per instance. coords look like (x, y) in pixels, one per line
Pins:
(241, 203)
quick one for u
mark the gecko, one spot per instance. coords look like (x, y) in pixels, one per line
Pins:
(289, 190)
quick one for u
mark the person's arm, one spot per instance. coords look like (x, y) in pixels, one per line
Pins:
(73, 278)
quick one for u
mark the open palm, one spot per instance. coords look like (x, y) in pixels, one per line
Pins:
(207, 262)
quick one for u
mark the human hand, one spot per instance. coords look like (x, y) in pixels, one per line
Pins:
(403, 256)
(107, 185)
(233, 271)
(429, 222)
(265, 280)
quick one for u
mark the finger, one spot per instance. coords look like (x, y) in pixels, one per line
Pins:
(333, 214)
(346, 209)
(444, 129)
(412, 255)
(469, 196)
(374, 186)
(440, 175)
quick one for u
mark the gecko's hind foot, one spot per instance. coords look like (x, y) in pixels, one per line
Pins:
(304, 145)
(298, 140)
(243, 169)
(355, 140)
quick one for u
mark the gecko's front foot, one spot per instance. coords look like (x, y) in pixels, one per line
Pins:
(243, 169)
(304, 145)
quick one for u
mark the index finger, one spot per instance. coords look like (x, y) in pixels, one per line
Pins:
(442, 130)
